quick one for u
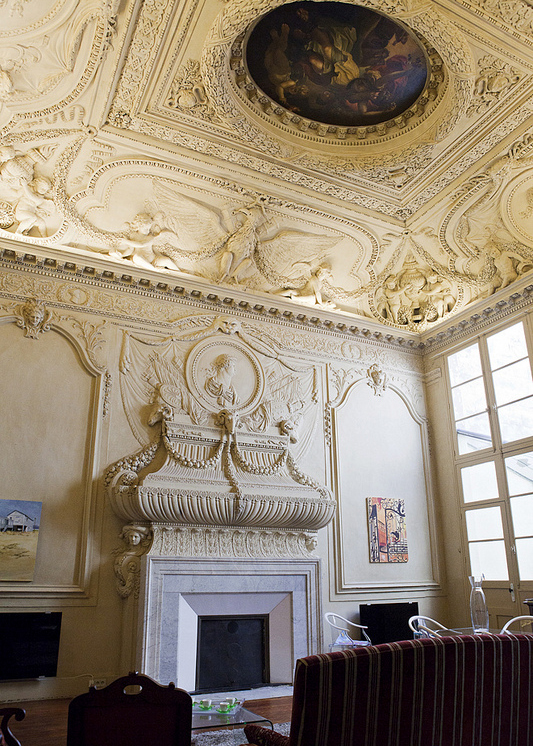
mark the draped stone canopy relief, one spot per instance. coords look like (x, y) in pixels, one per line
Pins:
(223, 418)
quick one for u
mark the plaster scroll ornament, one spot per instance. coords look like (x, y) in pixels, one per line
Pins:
(34, 318)
(187, 93)
(495, 79)
(376, 379)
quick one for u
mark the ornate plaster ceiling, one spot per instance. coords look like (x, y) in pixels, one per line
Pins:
(173, 137)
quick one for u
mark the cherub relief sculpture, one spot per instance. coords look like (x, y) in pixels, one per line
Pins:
(140, 241)
(24, 190)
(415, 295)
(313, 291)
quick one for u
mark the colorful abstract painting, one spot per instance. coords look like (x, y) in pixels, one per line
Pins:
(386, 530)
(19, 533)
(336, 63)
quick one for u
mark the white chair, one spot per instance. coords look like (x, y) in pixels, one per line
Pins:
(424, 626)
(340, 627)
(524, 621)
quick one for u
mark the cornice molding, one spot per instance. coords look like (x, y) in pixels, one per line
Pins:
(201, 296)
(204, 297)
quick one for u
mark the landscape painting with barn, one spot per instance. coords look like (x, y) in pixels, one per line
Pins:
(19, 533)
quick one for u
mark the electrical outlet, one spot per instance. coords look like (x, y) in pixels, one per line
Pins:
(99, 683)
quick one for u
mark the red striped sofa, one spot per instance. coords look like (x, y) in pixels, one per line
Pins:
(469, 690)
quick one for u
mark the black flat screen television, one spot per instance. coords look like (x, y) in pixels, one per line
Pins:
(29, 644)
(388, 622)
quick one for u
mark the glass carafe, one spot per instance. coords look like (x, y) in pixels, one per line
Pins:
(478, 605)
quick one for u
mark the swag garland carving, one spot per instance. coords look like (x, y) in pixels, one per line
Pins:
(233, 417)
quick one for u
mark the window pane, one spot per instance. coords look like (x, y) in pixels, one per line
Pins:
(520, 473)
(522, 512)
(512, 382)
(469, 398)
(479, 482)
(516, 420)
(507, 346)
(524, 555)
(464, 365)
(473, 433)
(488, 558)
(485, 523)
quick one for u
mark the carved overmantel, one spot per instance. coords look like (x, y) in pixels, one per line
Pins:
(221, 478)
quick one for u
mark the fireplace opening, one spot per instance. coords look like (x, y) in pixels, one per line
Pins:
(232, 653)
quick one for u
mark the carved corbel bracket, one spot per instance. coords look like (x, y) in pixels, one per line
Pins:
(137, 540)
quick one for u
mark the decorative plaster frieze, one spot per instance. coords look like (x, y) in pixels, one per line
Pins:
(126, 296)
(152, 21)
(516, 15)
(224, 542)
(167, 540)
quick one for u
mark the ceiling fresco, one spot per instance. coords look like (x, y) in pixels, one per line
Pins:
(336, 63)
(369, 159)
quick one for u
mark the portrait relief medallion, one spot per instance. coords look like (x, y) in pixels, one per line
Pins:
(224, 374)
(336, 63)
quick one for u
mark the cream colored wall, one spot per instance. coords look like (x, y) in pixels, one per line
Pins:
(65, 423)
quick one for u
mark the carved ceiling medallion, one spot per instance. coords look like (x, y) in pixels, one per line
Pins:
(339, 71)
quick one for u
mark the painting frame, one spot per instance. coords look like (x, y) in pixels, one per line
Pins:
(20, 522)
(337, 63)
(387, 534)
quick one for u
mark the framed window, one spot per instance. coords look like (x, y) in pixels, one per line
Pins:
(491, 387)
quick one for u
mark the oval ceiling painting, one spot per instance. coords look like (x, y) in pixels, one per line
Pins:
(336, 63)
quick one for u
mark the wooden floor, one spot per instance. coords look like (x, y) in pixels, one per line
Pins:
(45, 723)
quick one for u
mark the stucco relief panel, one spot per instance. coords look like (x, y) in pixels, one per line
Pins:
(49, 57)
(376, 396)
(45, 376)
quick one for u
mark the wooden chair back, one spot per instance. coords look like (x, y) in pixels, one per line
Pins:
(6, 737)
(133, 709)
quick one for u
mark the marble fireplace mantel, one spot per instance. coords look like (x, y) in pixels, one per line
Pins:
(175, 591)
